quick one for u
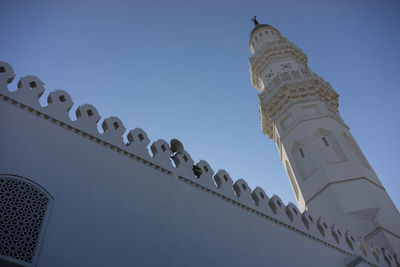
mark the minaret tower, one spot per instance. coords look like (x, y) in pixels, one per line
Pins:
(329, 173)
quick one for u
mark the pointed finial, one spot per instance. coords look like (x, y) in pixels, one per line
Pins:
(254, 19)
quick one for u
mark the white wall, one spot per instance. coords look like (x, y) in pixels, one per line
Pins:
(112, 208)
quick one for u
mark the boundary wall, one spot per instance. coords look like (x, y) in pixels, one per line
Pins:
(119, 204)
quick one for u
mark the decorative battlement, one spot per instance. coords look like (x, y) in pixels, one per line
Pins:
(180, 165)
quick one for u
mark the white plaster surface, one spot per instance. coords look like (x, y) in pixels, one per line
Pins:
(112, 207)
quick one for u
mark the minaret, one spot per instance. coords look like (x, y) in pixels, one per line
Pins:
(329, 173)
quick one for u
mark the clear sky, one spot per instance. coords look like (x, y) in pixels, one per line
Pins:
(179, 69)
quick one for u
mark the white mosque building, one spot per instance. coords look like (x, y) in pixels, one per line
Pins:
(73, 196)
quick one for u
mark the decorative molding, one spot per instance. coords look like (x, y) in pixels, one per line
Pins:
(293, 126)
(261, 29)
(288, 87)
(343, 181)
(272, 50)
(376, 230)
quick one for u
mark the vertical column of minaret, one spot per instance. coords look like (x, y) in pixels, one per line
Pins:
(329, 174)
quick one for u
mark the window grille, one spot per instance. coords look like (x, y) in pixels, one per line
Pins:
(23, 209)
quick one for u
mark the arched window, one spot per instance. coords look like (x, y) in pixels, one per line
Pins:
(301, 152)
(303, 160)
(329, 147)
(325, 141)
(23, 210)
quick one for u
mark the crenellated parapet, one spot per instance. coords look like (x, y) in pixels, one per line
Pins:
(180, 166)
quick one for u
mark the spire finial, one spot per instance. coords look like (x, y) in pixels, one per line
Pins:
(254, 19)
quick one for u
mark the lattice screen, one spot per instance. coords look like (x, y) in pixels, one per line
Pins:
(23, 207)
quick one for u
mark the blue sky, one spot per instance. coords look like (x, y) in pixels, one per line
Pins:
(179, 69)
